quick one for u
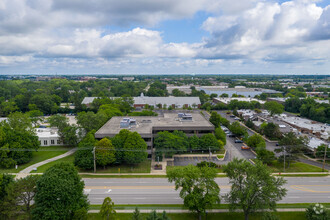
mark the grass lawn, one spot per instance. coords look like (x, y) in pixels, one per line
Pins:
(42, 154)
(210, 216)
(295, 167)
(143, 167)
(277, 167)
(43, 168)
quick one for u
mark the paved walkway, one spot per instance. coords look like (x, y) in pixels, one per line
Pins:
(187, 211)
(26, 171)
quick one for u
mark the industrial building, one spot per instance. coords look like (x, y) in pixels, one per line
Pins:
(149, 126)
(141, 101)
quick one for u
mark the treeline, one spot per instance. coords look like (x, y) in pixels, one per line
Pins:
(46, 96)
(309, 108)
(176, 142)
(126, 147)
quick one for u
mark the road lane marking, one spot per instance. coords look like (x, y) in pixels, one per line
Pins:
(305, 189)
(141, 187)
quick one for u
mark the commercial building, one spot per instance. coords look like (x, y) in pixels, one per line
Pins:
(226, 101)
(141, 101)
(48, 137)
(282, 100)
(149, 126)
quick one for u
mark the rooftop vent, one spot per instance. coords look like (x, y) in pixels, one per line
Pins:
(127, 122)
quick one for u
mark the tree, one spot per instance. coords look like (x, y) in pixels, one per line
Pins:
(255, 141)
(271, 130)
(104, 152)
(118, 142)
(209, 141)
(215, 119)
(91, 121)
(136, 214)
(274, 107)
(199, 190)
(152, 216)
(224, 95)
(20, 194)
(292, 146)
(317, 212)
(237, 129)
(5, 181)
(107, 209)
(320, 151)
(265, 156)
(135, 149)
(84, 158)
(220, 135)
(253, 188)
(59, 193)
(194, 143)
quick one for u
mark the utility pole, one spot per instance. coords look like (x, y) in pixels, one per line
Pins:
(94, 160)
(325, 154)
(284, 159)
(209, 157)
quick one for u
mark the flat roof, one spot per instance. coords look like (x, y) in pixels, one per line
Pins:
(145, 124)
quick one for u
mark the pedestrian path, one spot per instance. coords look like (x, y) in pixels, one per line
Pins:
(26, 171)
(187, 211)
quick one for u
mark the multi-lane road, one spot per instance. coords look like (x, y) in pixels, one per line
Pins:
(160, 191)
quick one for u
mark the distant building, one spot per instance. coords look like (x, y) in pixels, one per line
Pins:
(128, 78)
(48, 137)
(149, 126)
(141, 101)
(282, 100)
(226, 101)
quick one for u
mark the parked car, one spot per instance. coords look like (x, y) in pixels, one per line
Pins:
(238, 141)
(245, 147)
(277, 144)
(232, 116)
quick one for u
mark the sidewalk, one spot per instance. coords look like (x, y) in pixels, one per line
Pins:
(26, 171)
(187, 211)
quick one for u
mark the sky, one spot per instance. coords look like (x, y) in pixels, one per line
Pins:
(164, 37)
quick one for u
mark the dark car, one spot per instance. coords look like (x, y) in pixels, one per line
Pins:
(238, 141)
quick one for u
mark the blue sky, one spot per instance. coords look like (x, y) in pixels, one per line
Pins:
(164, 36)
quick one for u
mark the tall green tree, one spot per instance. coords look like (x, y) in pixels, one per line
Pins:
(60, 193)
(220, 135)
(253, 188)
(209, 141)
(5, 181)
(135, 149)
(118, 142)
(274, 107)
(107, 210)
(91, 121)
(84, 158)
(237, 129)
(291, 145)
(256, 141)
(215, 119)
(105, 152)
(20, 194)
(199, 190)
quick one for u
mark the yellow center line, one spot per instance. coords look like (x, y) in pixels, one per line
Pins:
(306, 189)
(140, 187)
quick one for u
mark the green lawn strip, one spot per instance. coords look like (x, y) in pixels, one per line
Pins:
(301, 175)
(295, 167)
(143, 167)
(122, 176)
(210, 216)
(43, 168)
(181, 207)
(42, 154)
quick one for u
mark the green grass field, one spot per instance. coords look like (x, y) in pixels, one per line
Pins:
(277, 167)
(143, 167)
(43, 168)
(210, 216)
(42, 154)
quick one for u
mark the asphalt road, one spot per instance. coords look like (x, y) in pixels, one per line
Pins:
(159, 191)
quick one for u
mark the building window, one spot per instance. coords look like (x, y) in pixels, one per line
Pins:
(52, 142)
(45, 142)
(58, 142)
